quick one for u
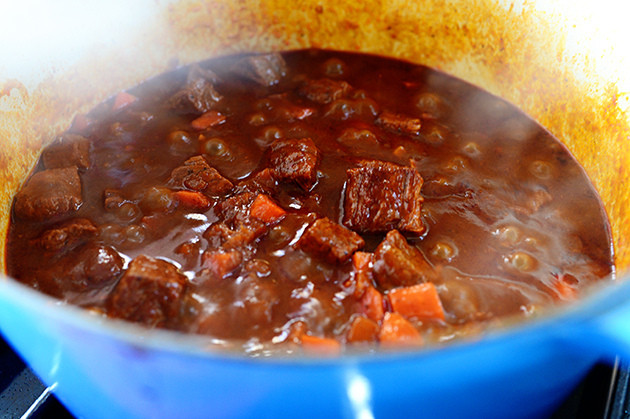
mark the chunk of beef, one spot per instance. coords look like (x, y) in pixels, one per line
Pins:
(236, 227)
(399, 123)
(149, 292)
(294, 161)
(89, 266)
(49, 193)
(199, 94)
(397, 263)
(265, 69)
(381, 196)
(261, 182)
(331, 241)
(196, 174)
(323, 90)
(67, 236)
(66, 151)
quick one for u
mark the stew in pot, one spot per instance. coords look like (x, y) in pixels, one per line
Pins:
(312, 199)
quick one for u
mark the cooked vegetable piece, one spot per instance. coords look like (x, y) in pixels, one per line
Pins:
(372, 304)
(193, 200)
(362, 329)
(265, 210)
(208, 119)
(420, 301)
(398, 331)
(362, 264)
(321, 346)
(122, 100)
(222, 263)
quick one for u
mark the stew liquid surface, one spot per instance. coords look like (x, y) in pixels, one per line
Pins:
(310, 198)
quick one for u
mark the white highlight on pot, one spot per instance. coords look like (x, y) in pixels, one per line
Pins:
(360, 395)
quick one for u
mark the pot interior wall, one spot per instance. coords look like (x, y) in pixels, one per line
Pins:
(516, 51)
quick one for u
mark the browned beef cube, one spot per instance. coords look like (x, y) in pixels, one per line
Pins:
(266, 69)
(67, 235)
(381, 196)
(198, 175)
(66, 151)
(397, 263)
(149, 292)
(331, 241)
(49, 193)
(236, 228)
(323, 90)
(261, 182)
(399, 123)
(294, 161)
(235, 209)
(91, 266)
(86, 267)
(199, 94)
(220, 235)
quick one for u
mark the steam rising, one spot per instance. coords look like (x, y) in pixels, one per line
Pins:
(37, 34)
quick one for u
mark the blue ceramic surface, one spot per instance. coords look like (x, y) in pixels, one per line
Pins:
(102, 368)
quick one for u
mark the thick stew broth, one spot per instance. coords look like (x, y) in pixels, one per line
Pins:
(311, 198)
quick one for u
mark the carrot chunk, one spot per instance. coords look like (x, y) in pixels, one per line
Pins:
(372, 304)
(362, 329)
(398, 331)
(208, 119)
(123, 99)
(265, 210)
(222, 263)
(421, 301)
(321, 346)
(564, 285)
(193, 199)
(362, 264)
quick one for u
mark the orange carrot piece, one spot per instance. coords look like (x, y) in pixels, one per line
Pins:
(362, 264)
(208, 119)
(264, 209)
(372, 304)
(362, 329)
(321, 346)
(222, 263)
(421, 301)
(398, 331)
(123, 99)
(565, 291)
(193, 199)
